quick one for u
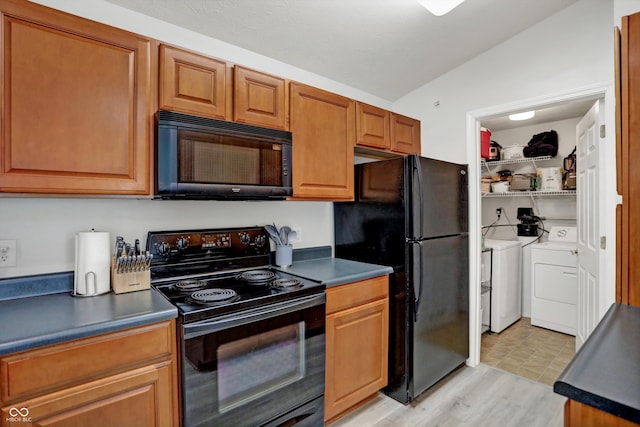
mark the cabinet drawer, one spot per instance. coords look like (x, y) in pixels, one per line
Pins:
(357, 293)
(63, 365)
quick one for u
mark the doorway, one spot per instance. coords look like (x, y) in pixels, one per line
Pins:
(606, 204)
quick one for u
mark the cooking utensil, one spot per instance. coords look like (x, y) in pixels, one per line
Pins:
(284, 234)
(272, 230)
(292, 237)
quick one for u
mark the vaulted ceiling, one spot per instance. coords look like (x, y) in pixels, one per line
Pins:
(387, 48)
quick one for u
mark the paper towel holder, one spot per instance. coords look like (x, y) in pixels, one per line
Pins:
(89, 277)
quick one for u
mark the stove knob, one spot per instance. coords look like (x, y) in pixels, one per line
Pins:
(163, 248)
(183, 243)
(260, 240)
(245, 239)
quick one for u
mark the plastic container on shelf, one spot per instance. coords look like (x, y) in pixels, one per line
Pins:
(549, 179)
(485, 142)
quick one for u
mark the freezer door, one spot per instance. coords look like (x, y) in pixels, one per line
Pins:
(439, 198)
(372, 228)
(439, 279)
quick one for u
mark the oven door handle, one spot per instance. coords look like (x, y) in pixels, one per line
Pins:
(192, 330)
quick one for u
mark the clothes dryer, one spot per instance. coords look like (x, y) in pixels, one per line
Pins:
(554, 282)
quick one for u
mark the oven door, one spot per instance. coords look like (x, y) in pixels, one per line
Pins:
(253, 367)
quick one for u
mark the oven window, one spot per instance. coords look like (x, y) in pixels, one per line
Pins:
(260, 364)
(215, 159)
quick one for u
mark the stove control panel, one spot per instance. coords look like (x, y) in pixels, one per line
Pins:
(220, 240)
(167, 246)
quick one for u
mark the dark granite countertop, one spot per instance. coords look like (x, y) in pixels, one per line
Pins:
(335, 271)
(37, 311)
(605, 373)
(36, 318)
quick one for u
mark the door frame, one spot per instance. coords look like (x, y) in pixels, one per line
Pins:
(606, 205)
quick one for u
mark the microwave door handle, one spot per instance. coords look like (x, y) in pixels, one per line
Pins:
(236, 319)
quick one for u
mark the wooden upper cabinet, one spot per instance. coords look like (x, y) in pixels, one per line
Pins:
(372, 126)
(260, 99)
(323, 128)
(192, 83)
(77, 104)
(405, 134)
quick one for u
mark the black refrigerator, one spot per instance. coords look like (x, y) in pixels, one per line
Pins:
(411, 213)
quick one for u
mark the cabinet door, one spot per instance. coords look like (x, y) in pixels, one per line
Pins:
(322, 124)
(405, 134)
(137, 398)
(192, 83)
(628, 265)
(372, 126)
(357, 348)
(77, 104)
(260, 99)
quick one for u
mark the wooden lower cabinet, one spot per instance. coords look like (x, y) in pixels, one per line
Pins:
(125, 378)
(357, 343)
(577, 414)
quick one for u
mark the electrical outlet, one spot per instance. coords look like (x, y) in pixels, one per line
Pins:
(7, 253)
(499, 211)
(298, 231)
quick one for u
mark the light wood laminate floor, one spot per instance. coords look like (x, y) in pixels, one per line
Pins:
(483, 396)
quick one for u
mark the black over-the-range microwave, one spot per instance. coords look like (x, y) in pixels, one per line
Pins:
(204, 158)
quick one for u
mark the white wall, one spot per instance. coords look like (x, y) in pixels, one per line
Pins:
(45, 227)
(570, 49)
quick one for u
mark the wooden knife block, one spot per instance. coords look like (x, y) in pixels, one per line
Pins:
(129, 282)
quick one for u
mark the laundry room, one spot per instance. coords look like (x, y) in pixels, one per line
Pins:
(529, 233)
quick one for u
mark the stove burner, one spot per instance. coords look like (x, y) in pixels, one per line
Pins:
(190, 285)
(285, 284)
(257, 276)
(213, 296)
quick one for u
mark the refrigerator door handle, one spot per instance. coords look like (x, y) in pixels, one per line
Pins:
(419, 200)
(417, 273)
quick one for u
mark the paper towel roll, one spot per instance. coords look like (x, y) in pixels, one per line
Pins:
(93, 263)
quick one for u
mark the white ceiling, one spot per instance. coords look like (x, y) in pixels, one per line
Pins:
(564, 111)
(387, 48)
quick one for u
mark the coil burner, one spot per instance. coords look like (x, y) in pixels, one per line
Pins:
(213, 296)
(285, 284)
(190, 285)
(257, 277)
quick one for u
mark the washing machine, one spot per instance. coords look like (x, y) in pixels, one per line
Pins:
(506, 285)
(554, 281)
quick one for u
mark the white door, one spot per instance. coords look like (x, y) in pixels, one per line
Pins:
(588, 192)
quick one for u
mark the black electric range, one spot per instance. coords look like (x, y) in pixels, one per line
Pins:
(214, 272)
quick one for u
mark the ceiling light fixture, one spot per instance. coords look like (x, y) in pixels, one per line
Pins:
(439, 7)
(522, 116)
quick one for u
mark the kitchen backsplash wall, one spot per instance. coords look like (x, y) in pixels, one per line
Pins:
(45, 228)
